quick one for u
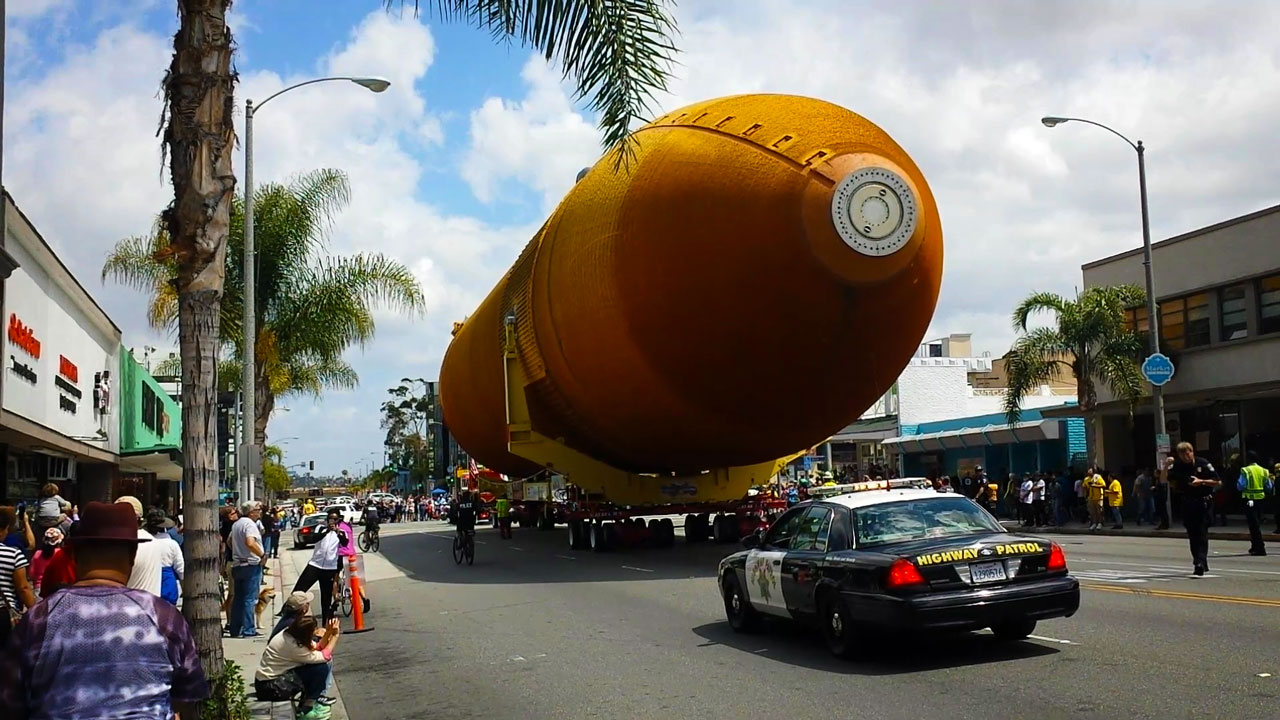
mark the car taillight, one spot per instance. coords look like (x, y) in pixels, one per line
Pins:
(903, 573)
(1057, 558)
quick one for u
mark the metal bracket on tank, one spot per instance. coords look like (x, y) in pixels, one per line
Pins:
(593, 476)
(874, 211)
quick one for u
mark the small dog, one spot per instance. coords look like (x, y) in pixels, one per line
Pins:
(264, 599)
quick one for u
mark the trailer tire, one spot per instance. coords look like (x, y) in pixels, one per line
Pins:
(667, 532)
(690, 528)
(575, 534)
(718, 530)
(612, 536)
(656, 535)
(595, 536)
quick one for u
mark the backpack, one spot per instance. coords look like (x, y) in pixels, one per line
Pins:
(277, 689)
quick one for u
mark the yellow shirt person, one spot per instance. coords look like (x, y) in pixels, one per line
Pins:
(1115, 494)
(1096, 487)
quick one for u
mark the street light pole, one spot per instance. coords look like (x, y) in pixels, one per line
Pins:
(1153, 323)
(248, 349)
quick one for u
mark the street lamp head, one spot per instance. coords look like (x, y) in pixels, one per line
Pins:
(375, 84)
(1052, 121)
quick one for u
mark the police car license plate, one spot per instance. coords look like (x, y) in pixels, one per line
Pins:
(987, 572)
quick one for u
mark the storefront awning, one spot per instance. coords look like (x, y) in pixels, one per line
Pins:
(166, 464)
(1030, 431)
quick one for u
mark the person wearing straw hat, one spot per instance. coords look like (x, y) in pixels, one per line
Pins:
(146, 573)
(69, 661)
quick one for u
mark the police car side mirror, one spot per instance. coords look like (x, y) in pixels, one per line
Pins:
(751, 541)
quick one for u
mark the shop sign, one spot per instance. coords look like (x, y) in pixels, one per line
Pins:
(22, 336)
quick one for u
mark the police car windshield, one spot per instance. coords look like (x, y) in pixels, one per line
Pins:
(929, 519)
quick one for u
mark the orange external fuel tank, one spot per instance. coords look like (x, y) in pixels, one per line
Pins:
(749, 283)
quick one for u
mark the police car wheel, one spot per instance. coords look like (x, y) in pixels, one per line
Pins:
(1015, 629)
(737, 608)
(837, 629)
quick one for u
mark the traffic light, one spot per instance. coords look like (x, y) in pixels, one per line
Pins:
(311, 466)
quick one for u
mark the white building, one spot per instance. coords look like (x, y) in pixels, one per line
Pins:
(944, 381)
(59, 421)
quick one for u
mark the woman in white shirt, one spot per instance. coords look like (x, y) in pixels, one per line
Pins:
(168, 553)
(323, 566)
(294, 658)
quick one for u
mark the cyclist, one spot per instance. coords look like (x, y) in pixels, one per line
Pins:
(464, 514)
(371, 521)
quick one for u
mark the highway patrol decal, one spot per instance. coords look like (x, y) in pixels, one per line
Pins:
(964, 554)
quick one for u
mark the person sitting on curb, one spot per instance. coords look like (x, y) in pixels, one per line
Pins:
(297, 605)
(98, 648)
(294, 662)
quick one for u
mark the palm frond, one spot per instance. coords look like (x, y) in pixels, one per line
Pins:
(144, 263)
(169, 366)
(1036, 358)
(618, 52)
(1038, 302)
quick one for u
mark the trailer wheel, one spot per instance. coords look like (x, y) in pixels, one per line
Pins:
(656, 535)
(667, 532)
(595, 536)
(612, 535)
(575, 534)
(690, 528)
(717, 529)
(701, 527)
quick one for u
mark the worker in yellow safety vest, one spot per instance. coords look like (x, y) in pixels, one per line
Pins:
(503, 508)
(1254, 484)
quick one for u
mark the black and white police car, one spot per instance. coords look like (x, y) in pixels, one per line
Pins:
(895, 555)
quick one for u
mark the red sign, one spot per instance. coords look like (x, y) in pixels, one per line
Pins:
(68, 369)
(22, 336)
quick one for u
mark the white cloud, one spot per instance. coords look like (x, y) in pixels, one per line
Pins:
(539, 141)
(30, 9)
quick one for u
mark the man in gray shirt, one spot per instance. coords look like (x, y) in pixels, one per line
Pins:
(246, 571)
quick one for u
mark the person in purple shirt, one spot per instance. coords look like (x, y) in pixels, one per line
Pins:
(98, 649)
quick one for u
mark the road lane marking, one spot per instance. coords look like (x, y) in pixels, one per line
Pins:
(628, 567)
(513, 547)
(1145, 565)
(1258, 602)
(1052, 640)
(566, 557)
(1264, 675)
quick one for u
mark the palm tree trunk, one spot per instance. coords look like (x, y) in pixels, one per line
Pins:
(199, 139)
(264, 405)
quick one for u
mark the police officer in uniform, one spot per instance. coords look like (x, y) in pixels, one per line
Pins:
(1198, 480)
(1254, 484)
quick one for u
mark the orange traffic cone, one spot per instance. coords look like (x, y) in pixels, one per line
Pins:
(357, 597)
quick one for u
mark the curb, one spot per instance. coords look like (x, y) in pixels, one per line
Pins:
(1242, 535)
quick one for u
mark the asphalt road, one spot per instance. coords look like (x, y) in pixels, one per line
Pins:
(534, 630)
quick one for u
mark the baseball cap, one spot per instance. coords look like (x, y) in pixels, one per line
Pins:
(298, 600)
(133, 501)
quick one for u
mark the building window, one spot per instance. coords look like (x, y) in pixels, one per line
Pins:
(1135, 319)
(1269, 304)
(935, 350)
(1235, 320)
(1184, 323)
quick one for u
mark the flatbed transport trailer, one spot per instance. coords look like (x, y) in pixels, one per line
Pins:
(599, 525)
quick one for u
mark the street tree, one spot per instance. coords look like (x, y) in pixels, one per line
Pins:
(311, 305)
(616, 51)
(407, 420)
(274, 475)
(1088, 337)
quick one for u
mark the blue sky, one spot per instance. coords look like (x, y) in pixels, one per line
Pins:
(454, 167)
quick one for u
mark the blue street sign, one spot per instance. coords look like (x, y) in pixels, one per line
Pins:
(1157, 369)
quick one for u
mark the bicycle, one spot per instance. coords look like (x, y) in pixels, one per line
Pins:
(342, 598)
(370, 540)
(464, 546)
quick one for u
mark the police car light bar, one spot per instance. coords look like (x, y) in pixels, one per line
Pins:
(894, 484)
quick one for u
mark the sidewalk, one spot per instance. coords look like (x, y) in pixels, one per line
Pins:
(246, 652)
(1236, 531)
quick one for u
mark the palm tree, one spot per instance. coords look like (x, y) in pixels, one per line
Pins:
(311, 306)
(1089, 338)
(617, 51)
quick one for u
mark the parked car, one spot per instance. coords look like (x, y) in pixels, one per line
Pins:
(308, 531)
